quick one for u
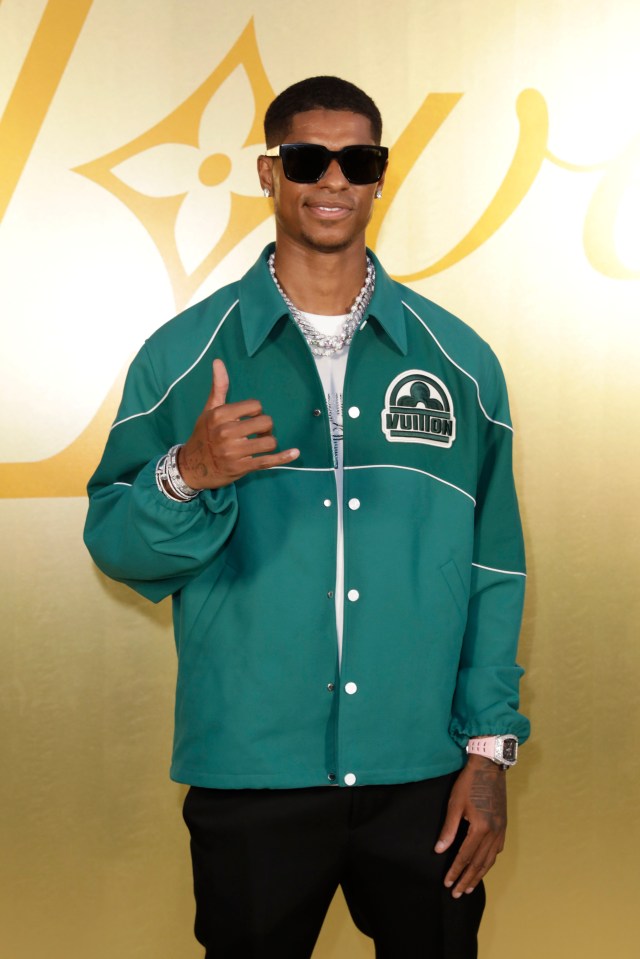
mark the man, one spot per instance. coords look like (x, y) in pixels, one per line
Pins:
(347, 598)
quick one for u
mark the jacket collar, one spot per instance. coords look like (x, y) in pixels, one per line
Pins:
(261, 306)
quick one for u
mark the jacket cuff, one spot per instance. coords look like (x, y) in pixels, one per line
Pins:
(486, 704)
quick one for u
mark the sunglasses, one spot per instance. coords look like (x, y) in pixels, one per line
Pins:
(308, 162)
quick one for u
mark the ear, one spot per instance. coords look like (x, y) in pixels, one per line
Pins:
(265, 173)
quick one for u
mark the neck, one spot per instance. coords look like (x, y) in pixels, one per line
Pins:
(319, 282)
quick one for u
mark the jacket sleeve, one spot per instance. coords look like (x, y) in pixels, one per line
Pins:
(486, 699)
(134, 533)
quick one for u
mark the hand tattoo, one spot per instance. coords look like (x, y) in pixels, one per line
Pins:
(489, 796)
(195, 460)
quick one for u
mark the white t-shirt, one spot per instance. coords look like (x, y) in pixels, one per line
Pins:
(332, 371)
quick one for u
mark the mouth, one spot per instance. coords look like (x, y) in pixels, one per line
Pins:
(328, 211)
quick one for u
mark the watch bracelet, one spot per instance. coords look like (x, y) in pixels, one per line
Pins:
(167, 472)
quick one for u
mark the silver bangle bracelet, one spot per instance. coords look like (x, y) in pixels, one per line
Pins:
(168, 475)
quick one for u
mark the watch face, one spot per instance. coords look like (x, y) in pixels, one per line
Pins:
(509, 750)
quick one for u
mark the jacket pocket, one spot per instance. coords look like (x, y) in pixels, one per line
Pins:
(211, 606)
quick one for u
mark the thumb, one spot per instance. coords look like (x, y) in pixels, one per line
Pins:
(450, 828)
(219, 387)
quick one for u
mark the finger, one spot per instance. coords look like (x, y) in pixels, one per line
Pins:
(219, 387)
(238, 453)
(266, 461)
(230, 438)
(230, 412)
(259, 425)
(476, 856)
(483, 859)
(464, 856)
(450, 828)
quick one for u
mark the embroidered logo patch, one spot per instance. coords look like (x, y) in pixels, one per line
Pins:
(418, 409)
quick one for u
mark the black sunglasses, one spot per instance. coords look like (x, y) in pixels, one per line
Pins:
(308, 162)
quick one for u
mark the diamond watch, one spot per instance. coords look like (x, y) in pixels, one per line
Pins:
(502, 750)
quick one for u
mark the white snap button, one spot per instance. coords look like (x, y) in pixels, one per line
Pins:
(354, 412)
(353, 595)
(350, 779)
(351, 688)
(354, 503)
(327, 502)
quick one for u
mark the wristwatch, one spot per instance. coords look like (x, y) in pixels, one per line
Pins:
(502, 750)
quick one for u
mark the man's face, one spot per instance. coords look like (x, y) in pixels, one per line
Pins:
(332, 214)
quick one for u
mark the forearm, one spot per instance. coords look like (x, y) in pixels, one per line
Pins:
(138, 535)
(487, 689)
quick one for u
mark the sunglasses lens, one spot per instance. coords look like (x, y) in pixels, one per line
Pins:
(308, 162)
(363, 164)
(304, 162)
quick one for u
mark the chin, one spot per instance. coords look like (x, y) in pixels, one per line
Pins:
(326, 245)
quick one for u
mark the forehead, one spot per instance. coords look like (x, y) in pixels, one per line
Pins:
(333, 128)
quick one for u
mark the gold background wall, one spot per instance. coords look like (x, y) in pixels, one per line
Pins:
(127, 146)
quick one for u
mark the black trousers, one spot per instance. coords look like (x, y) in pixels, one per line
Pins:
(266, 864)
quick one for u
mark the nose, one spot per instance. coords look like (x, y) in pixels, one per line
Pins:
(334, 178)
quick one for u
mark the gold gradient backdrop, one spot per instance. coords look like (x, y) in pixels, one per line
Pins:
(128, 139)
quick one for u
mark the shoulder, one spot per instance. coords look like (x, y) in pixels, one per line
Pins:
(200, 319)
(462, 348)
(179, 343)
(444, 327)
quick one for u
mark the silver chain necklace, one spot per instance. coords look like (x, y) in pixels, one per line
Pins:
(320, 344)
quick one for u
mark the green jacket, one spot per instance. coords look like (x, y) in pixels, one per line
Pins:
(433, 560)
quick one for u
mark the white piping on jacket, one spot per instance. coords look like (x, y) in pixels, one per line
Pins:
(304, 469)
(457, 365)
(413, 469)
(507, 572)
(182, 375)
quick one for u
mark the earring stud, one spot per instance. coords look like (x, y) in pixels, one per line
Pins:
(378, 194)
(266, 192)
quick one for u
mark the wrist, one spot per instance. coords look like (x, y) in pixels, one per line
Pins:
(482, 762)
(170, 481)
(501, 750)
(188, 477)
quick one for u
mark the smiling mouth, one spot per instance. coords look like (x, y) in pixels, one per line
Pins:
(328, 211)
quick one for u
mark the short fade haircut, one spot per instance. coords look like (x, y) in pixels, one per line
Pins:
(318, 93)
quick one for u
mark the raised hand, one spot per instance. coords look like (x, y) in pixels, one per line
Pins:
(229, 440)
